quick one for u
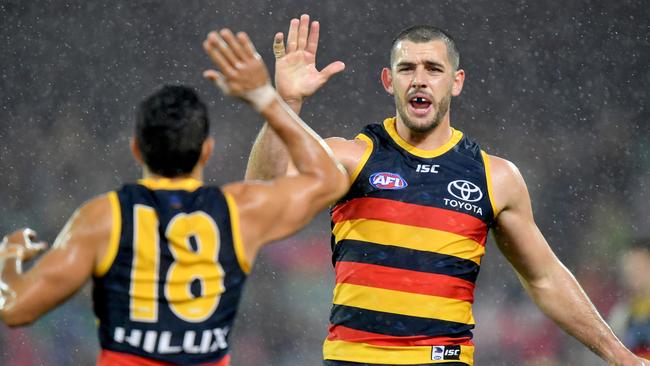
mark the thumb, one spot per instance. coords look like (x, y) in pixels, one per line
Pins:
(332, 69)
(218, 79)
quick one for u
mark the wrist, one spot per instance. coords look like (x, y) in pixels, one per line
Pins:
(260, 98)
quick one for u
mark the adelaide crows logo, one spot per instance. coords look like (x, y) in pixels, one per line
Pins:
(385, 180)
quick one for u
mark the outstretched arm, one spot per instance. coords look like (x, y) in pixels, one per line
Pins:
(548, 282)
(63, 270)
(275, 209)
(296, 77)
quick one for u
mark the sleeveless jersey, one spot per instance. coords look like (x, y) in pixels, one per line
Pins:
(170, 283)
(407, 244)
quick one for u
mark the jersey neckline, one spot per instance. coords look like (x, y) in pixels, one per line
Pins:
(389, 126)
(183, 184)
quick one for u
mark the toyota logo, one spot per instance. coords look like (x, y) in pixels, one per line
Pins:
(464, 190)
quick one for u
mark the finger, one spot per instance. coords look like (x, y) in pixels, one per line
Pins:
(332, 69)
(233, 44)
(247, 45)
(312, 42)
(292, 36)
(278, 45)
(218, 43)
(218, 79)
(217, 58)
(303, 31)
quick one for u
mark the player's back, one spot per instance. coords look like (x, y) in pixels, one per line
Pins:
(170, 283)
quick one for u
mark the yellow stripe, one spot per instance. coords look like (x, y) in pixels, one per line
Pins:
(364, 157)
(236, 234)
(389, 125)
(411, 237)
(185, 184)
(367, 353)
(488, 179)
(403, 303)
(114, 241)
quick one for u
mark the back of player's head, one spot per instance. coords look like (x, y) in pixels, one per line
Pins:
(171, 126)
(425, 33)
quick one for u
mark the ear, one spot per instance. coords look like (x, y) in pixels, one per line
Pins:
(459, 79)
(206, 151)
(387, 80)
(135, 150)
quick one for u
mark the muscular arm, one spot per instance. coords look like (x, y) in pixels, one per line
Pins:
(64, 269)
(548, 282)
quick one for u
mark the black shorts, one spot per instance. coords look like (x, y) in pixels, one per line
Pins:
(345, 363)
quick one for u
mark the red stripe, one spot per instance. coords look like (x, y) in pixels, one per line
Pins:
(112, 358)
(388, 278)
(342, 333)
(412, 214)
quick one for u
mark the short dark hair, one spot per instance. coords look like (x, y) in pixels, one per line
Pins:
(171, 126)
(425, 33)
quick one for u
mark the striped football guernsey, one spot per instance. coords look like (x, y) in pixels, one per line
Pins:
(407, 244)
(169, 286)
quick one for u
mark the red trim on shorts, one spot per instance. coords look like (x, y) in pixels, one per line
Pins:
(112, 358)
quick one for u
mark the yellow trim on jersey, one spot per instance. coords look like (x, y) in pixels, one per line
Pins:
(114, 241)
(389, 125)
(403, 303)
(410, 237)
(236, 234)
(364, 157)
(184, 184)
(389, 355)
(488, 180)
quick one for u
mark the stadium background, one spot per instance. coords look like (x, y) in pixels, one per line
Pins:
(560, 89)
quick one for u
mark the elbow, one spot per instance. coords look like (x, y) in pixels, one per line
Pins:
(334, 183)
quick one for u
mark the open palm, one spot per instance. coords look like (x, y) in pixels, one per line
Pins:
(296, 75)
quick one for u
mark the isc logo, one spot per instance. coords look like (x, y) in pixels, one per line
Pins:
(426, 168)
(384, 180)
(445, 353)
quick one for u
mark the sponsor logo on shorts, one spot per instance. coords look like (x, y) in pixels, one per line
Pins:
(385, 180)
(445, 353)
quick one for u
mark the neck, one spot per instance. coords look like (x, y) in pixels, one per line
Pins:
(197, 174)
(429, 140)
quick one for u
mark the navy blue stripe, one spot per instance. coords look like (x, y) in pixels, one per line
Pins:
(396, 324)
(404, 258)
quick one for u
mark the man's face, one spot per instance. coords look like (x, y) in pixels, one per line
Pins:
(423, 81)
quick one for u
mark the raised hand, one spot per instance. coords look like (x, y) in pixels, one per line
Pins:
(296, 76)
(243, 73)
(21, 243)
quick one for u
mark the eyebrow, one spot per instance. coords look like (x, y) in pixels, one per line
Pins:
(426, 63)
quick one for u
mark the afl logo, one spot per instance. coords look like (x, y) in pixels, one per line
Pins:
(465, 190)
(386, 180)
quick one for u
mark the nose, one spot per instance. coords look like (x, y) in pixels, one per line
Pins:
(419, 78)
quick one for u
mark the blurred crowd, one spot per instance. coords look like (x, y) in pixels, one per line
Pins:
(562, 95)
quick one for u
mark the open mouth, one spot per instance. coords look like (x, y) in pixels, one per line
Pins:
(420, 102)
(420, 105)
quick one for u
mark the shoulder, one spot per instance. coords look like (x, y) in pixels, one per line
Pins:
(350, 152)
(508, 184)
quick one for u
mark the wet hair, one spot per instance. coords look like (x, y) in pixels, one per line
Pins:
(171, 126)
(426, 33)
